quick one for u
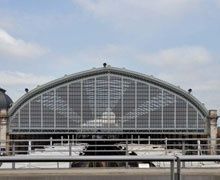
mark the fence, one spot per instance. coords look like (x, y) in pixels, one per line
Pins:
(174, 175)
(148, 146)
(176, 152)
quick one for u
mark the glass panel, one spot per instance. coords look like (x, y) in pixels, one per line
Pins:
(168, 110)
(142, 105)
(129, 104)
(14, 121)
(180, 113)
(75, 105)
(115, 102)
(155, 107)
(61, 107)
(192, 117)
(102, 102)
(201, 122)
(24, 116)
(89, 103)
(36, 112)
(48, 109)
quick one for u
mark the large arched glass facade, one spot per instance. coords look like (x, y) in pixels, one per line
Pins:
(107, 100)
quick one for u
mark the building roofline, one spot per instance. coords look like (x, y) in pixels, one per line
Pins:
(105, 70)
(2, 90)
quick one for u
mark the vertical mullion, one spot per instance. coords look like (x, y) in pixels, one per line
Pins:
(135, 96)
(54, 95)
(175, 111)
(108, 101)
(68, 107)
(187, 118)
(162, 108)
(149, 103)
(29, 115)
(81, 123)
(19, 119)
(41, 109)
(122, 102)
(95, 104)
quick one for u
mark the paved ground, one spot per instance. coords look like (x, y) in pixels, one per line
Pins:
(85, 171)
(106, 172)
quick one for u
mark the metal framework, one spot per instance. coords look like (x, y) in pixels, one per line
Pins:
(108, 100)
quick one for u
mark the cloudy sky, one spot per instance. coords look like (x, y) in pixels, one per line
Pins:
(177, 41)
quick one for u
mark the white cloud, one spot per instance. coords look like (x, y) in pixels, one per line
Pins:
(125, 11)
(108, 52)
(12, 47)
(187, 55)
(190, 67)
(16, 82)
(9, 78)
(94, 57)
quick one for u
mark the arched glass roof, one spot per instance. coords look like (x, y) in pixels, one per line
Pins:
(114, 70)
(109, 100)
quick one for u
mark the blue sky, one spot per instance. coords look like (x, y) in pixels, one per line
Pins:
(177, 41)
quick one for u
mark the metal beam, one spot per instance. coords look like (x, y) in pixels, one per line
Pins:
(29, 114)
(54, 106)
(81, 89)
(187, 117)
(199, 158)
(108, 101)
(68, 106)
(24, 158)
(175, 111)
(149, 106)
(135, 96)
(41, 111)
(122, 102)
(95, 115)
(162, 108)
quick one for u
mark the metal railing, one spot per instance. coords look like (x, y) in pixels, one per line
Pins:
(181, 159)
(176, 152)
(141, 146)
(14, 159)
(174, 175)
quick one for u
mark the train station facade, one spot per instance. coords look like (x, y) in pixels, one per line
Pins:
(110, 101)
